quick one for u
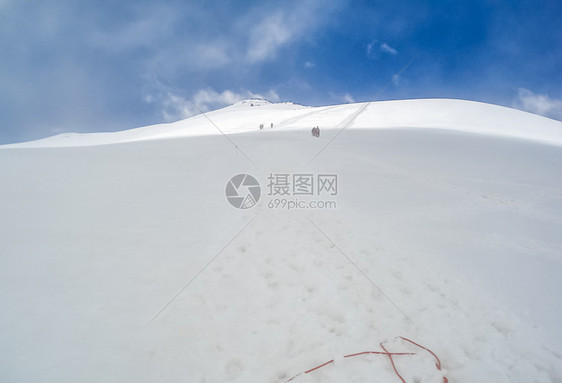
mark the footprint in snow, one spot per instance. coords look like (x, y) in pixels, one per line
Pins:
(234, 368)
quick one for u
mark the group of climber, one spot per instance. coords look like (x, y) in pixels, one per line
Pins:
(316, 131)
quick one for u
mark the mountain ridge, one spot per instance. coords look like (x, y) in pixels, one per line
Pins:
(247, 115)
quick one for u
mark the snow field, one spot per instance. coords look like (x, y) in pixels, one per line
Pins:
(459, 231)
(247, 115)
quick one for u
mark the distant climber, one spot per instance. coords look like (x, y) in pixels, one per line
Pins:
(316, 131)
(261, 126)
(272, 125)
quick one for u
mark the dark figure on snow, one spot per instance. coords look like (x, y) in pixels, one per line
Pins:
(316, 131)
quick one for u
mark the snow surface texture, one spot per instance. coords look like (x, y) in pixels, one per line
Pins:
(456, 232)
(246, 116)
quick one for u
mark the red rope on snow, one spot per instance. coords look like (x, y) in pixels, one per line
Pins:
(438, 364)
(349, 356)
(379, 353)
(318, 367)
(386, 352)
(392, 361)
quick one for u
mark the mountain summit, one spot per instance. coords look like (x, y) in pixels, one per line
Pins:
(247, 116)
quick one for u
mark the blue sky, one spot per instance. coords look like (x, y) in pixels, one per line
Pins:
(85, 66)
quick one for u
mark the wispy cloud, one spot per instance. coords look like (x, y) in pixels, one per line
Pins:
(208, 98)
(213, 55)
(388, 49)
(247, 40)
(374, 49)
(539, 104)
(268, 36)
(370, 48)
(289, 24)
(348, 98)
(175, 107)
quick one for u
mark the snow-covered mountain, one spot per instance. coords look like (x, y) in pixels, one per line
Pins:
(248, 115)
(126, 262)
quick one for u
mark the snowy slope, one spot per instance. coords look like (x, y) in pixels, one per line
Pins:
(247, 115)
(443, 236)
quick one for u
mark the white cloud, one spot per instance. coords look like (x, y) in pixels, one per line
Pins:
(277, 29)
(388, 49)
(207, 99)
(373, 51)
(268, 36)
(348, 98)
(212, 55)
(175, 107)
(539, 104)
(369, 49)
(309, 65)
